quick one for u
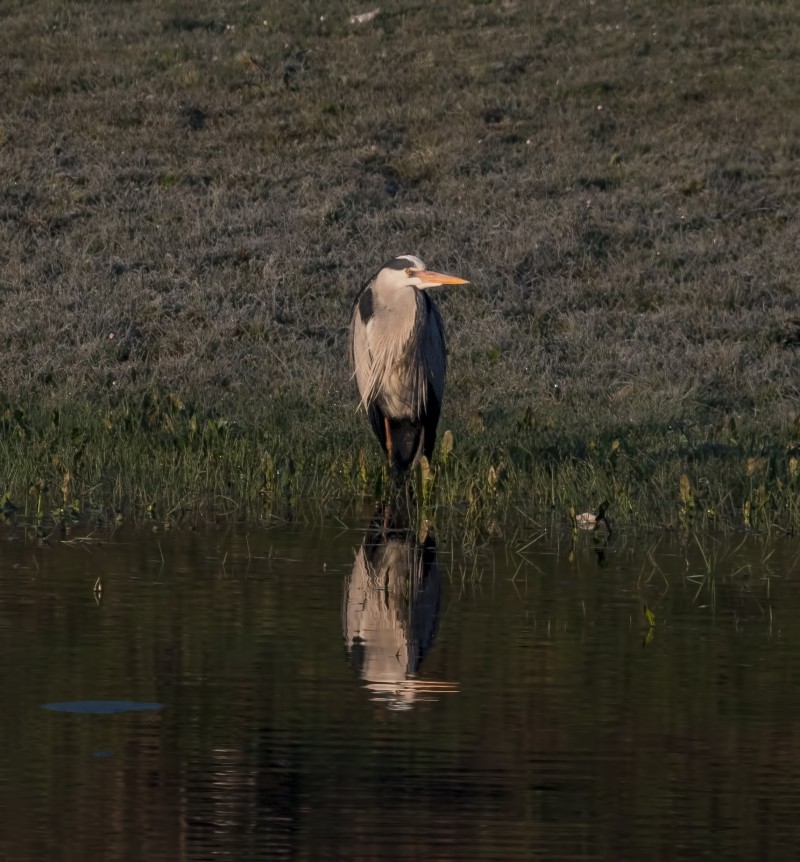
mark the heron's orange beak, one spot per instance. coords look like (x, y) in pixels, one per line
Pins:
(434, 279)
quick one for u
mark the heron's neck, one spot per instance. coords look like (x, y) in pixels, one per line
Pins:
(394, 317)
(393, 297)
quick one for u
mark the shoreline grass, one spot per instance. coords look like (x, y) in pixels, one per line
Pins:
(160, 460)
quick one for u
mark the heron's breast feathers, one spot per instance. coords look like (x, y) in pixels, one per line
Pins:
(390, 370)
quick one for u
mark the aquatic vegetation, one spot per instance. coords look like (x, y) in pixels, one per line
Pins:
(163, 460)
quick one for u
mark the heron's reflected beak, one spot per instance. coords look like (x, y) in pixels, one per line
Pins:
(433, 279)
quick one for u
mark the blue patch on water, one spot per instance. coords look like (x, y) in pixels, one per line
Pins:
(102, 707)
(101, 754)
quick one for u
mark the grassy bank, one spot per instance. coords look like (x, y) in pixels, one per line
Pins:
(159, 459)
(191, 201)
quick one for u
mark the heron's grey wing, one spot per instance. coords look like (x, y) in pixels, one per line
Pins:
(431, 345)
(431, 351)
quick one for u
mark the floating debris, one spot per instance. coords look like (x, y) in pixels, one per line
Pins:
(591, 520)
(364, 17)
(102, 707)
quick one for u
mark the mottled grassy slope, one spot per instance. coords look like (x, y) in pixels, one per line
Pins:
(191, 200)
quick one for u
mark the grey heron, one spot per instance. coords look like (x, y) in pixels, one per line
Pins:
(399, 357)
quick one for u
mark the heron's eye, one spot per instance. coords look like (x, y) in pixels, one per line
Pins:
(409, 272)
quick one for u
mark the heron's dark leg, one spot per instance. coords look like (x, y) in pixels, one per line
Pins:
(405, 444)
(388, 440)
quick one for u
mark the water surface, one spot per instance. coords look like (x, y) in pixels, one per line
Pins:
(322, 692)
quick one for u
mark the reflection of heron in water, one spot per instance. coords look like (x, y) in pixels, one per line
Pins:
(390, 611)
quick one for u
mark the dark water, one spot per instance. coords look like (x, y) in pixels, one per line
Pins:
(290, 693)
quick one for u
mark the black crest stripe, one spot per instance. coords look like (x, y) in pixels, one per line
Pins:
(400, 263)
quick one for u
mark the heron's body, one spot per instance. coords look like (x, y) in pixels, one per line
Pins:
(399, 355)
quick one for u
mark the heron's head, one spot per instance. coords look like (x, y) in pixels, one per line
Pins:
(410, 270)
